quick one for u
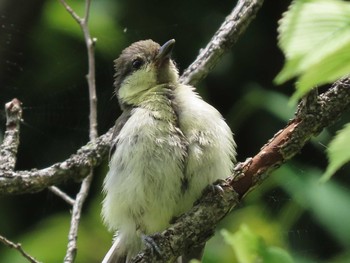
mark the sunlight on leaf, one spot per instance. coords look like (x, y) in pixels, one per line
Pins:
(313, 35)
(338, 152)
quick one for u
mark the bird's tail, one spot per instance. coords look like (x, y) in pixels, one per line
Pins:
(116, 254)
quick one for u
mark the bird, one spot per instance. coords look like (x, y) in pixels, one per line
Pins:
(168, 145)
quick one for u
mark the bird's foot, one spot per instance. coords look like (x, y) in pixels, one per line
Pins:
(151, 244)
(216, 187)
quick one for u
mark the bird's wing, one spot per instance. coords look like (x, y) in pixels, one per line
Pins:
(119, 124)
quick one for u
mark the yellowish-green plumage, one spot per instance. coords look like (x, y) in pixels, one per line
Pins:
(170, 148)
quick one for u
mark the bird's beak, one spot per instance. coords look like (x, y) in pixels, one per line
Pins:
(165, 50)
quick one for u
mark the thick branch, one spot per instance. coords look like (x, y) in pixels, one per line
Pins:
(223, 40)
(196, 226)
(76, 167)
(313, 115)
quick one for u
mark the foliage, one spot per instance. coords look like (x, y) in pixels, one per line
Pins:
(313, 35)
(338, 152)
(250, 248)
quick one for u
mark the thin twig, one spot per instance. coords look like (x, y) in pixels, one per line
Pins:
(87, 11)
(85, 186)
(19, 248)
(90, 44)
(71, 11)
(76, 214)
(62, 194)
(222, 41)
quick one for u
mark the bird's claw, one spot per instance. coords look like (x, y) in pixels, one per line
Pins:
(151, 244)
(216, 187)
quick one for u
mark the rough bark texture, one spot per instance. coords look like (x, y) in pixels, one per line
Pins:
(76, 167)
(9, 146)
(314, 113)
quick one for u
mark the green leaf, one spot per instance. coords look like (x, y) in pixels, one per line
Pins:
(338, 152)
(314, 36)
(250, 247)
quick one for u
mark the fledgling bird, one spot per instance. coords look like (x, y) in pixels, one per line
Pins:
(169, 145)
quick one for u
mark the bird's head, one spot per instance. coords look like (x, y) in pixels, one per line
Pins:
(142, 66)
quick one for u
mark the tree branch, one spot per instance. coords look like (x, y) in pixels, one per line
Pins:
(62, 194)
(76, 168)
(85, 185)
(18, 247)
(75, 219)
(197, 225)
(222, 41)
(9, 146)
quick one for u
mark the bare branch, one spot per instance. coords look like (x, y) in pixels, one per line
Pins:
(9, 146)
(85, 186)
(90, 43)
(71, 11)
(223, 40)
(62, 194)
(76, 167)
(74, 225)
(18, 247)
(87, 11)
(197, 225)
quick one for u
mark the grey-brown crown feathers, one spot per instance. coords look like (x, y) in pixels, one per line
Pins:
(133, 57)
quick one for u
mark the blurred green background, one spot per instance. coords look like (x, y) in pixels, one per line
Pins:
(43, 63)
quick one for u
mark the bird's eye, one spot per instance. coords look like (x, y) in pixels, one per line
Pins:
(137, 63)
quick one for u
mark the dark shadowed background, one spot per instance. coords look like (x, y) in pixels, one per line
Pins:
(43, 63)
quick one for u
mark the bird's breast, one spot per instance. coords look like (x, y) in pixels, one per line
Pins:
(146, 172)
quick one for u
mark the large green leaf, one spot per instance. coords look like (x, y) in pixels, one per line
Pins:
(338, 152)
(314, 36)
